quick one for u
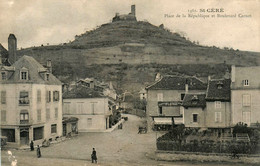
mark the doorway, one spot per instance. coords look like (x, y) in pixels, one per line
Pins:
(24, 136)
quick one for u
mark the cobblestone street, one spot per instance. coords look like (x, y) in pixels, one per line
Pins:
(120, 147)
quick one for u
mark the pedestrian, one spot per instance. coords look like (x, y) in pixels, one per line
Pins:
(32, 146)
(94, 156)
(38, 151)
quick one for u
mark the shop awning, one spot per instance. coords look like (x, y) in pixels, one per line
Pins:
(164, 121)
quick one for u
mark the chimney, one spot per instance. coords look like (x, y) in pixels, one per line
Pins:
(110, 85)
(133, 10)
(49, 66)
(157, 77)
(209, 78)
(12, 48)
(233, 73)
(186, 86)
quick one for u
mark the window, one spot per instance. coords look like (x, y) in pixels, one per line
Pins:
(182, 96)
(10, 134)
(56, 113)
(48, 115)
(54, 128)
(38, 96)
(195, 118)
(160, 97)
(3, 116)
(47, 76)
(4, 75)
(24, 98)
(39, 113)
(246, 117)
(55, 95)
(24, 117)
(24, 75)
(246, 100)
(3, 97)
(93, 108)
(246, 82)
(37, 133)
(217, 104)
(80, 107)
(66, 108)
(217, 117)
(160, 110)
(48, 96)
(89, 122)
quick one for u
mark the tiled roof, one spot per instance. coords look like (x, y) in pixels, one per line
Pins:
(81, 92)
(194, 100)
(218, 90)
(178, 83)
(34, 76)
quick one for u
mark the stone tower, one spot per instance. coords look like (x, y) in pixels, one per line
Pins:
(12, 47)
(133, 10)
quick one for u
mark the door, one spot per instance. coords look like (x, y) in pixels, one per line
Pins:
(24, 136)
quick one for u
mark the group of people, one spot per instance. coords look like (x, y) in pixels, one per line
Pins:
(93, 155)
(38, 152)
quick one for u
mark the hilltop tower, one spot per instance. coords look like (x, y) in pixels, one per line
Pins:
(133, 10)
(12, 47)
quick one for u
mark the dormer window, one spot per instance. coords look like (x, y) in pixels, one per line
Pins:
(24, 74)
(47, 76)
(220, 85)
(246, 82)
(194, 99)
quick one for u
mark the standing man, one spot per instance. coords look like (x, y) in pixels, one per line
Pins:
(38, 151)
(32, 146)
(94, 156)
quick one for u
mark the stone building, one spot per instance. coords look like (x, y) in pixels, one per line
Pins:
(90, 107)
(165, 97)
(31, 105)
(245, 95)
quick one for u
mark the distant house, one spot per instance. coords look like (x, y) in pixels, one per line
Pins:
(245, 95)
(194, 110)
(165, 97)
(31, 105)
(125, 17)
(218, 112)
(89, 106)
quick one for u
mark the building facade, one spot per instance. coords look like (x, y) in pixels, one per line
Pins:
(92, 109)
(165, 97)
(31, 105)
(245, 95)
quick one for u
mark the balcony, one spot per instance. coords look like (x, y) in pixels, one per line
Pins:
(24, 121)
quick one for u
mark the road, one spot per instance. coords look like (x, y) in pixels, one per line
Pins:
(120, 147)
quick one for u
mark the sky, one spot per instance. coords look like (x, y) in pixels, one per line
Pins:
(36, 22)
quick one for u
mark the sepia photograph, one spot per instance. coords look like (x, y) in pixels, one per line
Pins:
(130, 82)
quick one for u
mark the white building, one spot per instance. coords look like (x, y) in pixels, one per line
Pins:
(91, 108)
(31, 105)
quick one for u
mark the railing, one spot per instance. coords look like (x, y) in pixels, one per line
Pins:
(242, 137)
(24, 121)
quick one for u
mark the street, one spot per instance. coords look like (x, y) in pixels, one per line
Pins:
(120, 147)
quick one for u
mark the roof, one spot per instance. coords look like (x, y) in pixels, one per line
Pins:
(34, 74)
(194, 100)
(177, 83)
(81, 92)
(218, 89)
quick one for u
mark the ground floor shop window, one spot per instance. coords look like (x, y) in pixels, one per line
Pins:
(37, 133)
(54, 128)
(10, 134)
